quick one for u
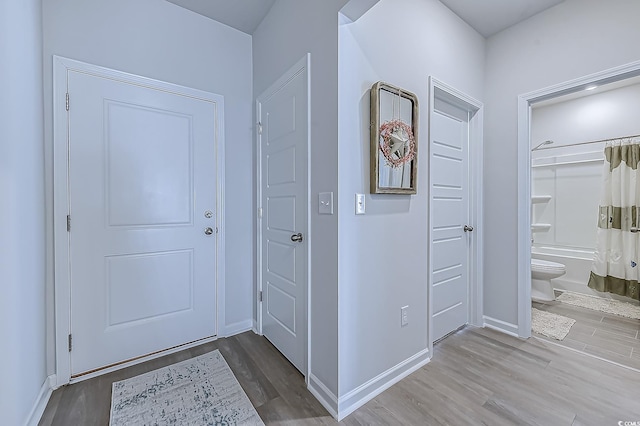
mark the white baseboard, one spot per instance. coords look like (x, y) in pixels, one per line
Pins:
(499, 325)
(236, 328)
(359, 396)
(41, 402)
(322, 393)
(53, 382)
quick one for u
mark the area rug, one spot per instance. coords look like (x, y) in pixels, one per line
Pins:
(199, 391)
(608, 306)
(550, 325)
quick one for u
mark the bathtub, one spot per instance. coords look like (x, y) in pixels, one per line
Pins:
(578, 267)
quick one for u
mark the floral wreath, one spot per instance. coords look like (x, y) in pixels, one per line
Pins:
(397, 143)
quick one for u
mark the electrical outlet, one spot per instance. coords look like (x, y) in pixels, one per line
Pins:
(404, 316)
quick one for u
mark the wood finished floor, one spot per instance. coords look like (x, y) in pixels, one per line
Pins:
(604, 335)
(477, 377)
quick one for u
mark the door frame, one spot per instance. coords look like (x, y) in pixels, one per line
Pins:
(475, 271)
(303, 65)
(62, 241)
(525, 102)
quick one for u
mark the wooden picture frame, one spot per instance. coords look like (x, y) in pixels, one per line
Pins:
(394, 140)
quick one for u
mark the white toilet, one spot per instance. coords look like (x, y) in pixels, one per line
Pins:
(542, 272)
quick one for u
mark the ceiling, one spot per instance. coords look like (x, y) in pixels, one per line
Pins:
(488, 17)
(243, 15)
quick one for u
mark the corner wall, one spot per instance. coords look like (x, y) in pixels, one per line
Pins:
(383, 254)
(160, 40)
(24, 386)
(573, 39)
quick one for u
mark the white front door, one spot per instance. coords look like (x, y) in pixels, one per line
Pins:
(449, 171)
(283, 147)
(142, 193)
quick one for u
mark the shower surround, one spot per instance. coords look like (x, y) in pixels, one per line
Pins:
(567, 175)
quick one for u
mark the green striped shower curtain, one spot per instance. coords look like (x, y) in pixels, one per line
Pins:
(616, 264)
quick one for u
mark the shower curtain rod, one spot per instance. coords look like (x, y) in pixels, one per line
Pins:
(587, 143)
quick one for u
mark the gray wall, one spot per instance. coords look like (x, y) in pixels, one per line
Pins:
(573, 39)
(160, 40)
(383, 254)
(22, 233)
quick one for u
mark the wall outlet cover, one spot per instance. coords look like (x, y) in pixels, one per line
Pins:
(325, 203)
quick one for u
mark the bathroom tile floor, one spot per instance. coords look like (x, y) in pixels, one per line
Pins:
(607, 336)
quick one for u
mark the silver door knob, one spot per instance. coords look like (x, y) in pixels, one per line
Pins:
(468, 228)
(208, 231)
(297, 238)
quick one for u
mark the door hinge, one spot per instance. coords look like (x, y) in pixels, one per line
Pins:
(259, 127)
(260, 296)
(67, 101)
(68, 223)
(70, 343)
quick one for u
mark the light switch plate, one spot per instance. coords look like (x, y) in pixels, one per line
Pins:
(360, 205)
(325, 203)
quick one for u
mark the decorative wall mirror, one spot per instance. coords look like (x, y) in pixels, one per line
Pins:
(394, 140)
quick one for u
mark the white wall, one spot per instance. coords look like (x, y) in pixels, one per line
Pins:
(22, 233)
(575, 188)
(290, 30)
(383, 254)
(604, 114)
(160, 40)
(573, 39)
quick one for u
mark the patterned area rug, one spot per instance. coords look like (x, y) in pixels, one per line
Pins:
(608, 306)
(199, 391)
(550, 325)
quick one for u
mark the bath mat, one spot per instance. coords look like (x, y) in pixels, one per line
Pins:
(198, 391)
(550, 325)
(608, 306)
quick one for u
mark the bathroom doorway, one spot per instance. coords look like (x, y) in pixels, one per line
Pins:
(564, 132)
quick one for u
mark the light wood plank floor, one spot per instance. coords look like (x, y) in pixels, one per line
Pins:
(607, 336)
(477, 376)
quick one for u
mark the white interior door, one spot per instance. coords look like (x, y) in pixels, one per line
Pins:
(142, 191)
(283, 114)
(450, 243)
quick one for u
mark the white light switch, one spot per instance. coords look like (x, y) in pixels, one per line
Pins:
(404, 316)
(325, 203)
(360, 206)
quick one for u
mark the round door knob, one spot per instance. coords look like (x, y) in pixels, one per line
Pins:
(297, 238)
(208, 231)
(468, 228)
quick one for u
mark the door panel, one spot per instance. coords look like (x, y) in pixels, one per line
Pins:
(131, 299)
(450, 212)
(283, 158)
(141, 175)
(164, 178)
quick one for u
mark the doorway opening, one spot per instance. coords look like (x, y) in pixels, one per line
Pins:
(562, 134)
